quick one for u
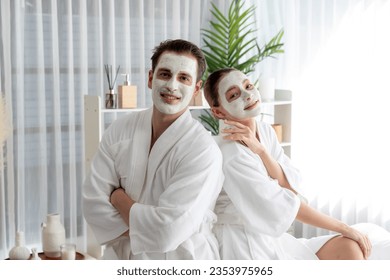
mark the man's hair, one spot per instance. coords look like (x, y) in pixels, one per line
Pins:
(180, 46)
(210, 89)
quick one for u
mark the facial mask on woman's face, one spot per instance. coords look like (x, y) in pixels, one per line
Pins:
(171, 91)
(247, 104)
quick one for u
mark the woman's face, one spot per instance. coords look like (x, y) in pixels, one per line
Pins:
(238, 96)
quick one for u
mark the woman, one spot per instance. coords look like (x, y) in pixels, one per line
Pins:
(259, 199)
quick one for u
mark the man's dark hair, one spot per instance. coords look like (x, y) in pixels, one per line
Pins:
(210, 89)
(180, 46)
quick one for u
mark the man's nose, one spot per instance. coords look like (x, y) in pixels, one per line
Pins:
(172, 84)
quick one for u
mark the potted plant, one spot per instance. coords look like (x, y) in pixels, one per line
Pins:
(229, 40)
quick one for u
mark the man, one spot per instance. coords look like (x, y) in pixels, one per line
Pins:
(157, 174)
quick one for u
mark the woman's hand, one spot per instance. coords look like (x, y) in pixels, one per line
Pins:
(362, 239)
(244, 135)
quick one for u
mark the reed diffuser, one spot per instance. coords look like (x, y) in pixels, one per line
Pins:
(111, 97)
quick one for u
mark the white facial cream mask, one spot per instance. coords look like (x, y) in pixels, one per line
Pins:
(171, 95)
(247, 105)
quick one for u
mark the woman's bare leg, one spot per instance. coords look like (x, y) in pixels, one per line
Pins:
(340, 248)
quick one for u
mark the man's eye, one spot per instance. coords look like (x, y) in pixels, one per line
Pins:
(164, 75)
(185, 78)
(249, 86)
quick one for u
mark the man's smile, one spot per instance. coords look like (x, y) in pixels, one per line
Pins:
(169, 98)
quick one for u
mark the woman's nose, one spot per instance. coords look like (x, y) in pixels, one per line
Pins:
(248, 96)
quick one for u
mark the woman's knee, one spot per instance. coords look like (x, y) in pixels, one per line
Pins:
(340, 248)
(350, 250)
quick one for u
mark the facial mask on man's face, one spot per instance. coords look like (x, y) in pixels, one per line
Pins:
(172, 95)
(247, 105)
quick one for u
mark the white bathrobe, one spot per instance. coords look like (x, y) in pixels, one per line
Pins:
(175, 187)
(254, 212)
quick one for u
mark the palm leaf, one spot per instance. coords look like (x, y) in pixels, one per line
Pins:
(219, 16)
(211, 123)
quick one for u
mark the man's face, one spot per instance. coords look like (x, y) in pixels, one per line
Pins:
(174, 82)
(238, 96)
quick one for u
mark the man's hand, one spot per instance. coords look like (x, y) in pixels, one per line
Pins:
(122, 202)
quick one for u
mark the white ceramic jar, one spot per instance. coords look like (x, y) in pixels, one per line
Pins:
(53, 236)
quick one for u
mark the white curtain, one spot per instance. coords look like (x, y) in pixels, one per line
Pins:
(337, 65)
(52, 53)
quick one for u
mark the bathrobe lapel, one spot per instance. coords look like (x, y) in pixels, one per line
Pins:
(146, 164)
(166, 142)
(140, 154)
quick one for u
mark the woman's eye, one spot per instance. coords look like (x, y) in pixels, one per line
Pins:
(249, 86)
(233, 95)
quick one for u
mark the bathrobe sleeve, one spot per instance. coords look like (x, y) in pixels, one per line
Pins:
(194, 180)
(262, 204)
(102, 217)
(292, 174)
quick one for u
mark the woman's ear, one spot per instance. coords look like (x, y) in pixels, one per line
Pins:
(217, 113)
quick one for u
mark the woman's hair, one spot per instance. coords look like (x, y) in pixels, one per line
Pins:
(210, 89)
(180, 46)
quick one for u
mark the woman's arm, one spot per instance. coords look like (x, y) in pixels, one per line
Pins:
(247, 135)
(308, 215)
(273, 168)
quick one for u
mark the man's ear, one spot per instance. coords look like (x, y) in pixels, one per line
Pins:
(217, 113)
(150, 78)
(198, 87)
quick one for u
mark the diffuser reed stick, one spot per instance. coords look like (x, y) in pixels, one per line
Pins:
(111, 98)
(111, 82)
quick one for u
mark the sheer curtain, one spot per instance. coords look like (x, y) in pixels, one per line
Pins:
(337, 65)
(52, 53)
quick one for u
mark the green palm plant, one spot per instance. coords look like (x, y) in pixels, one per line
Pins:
(231, 42)
(231, 39)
